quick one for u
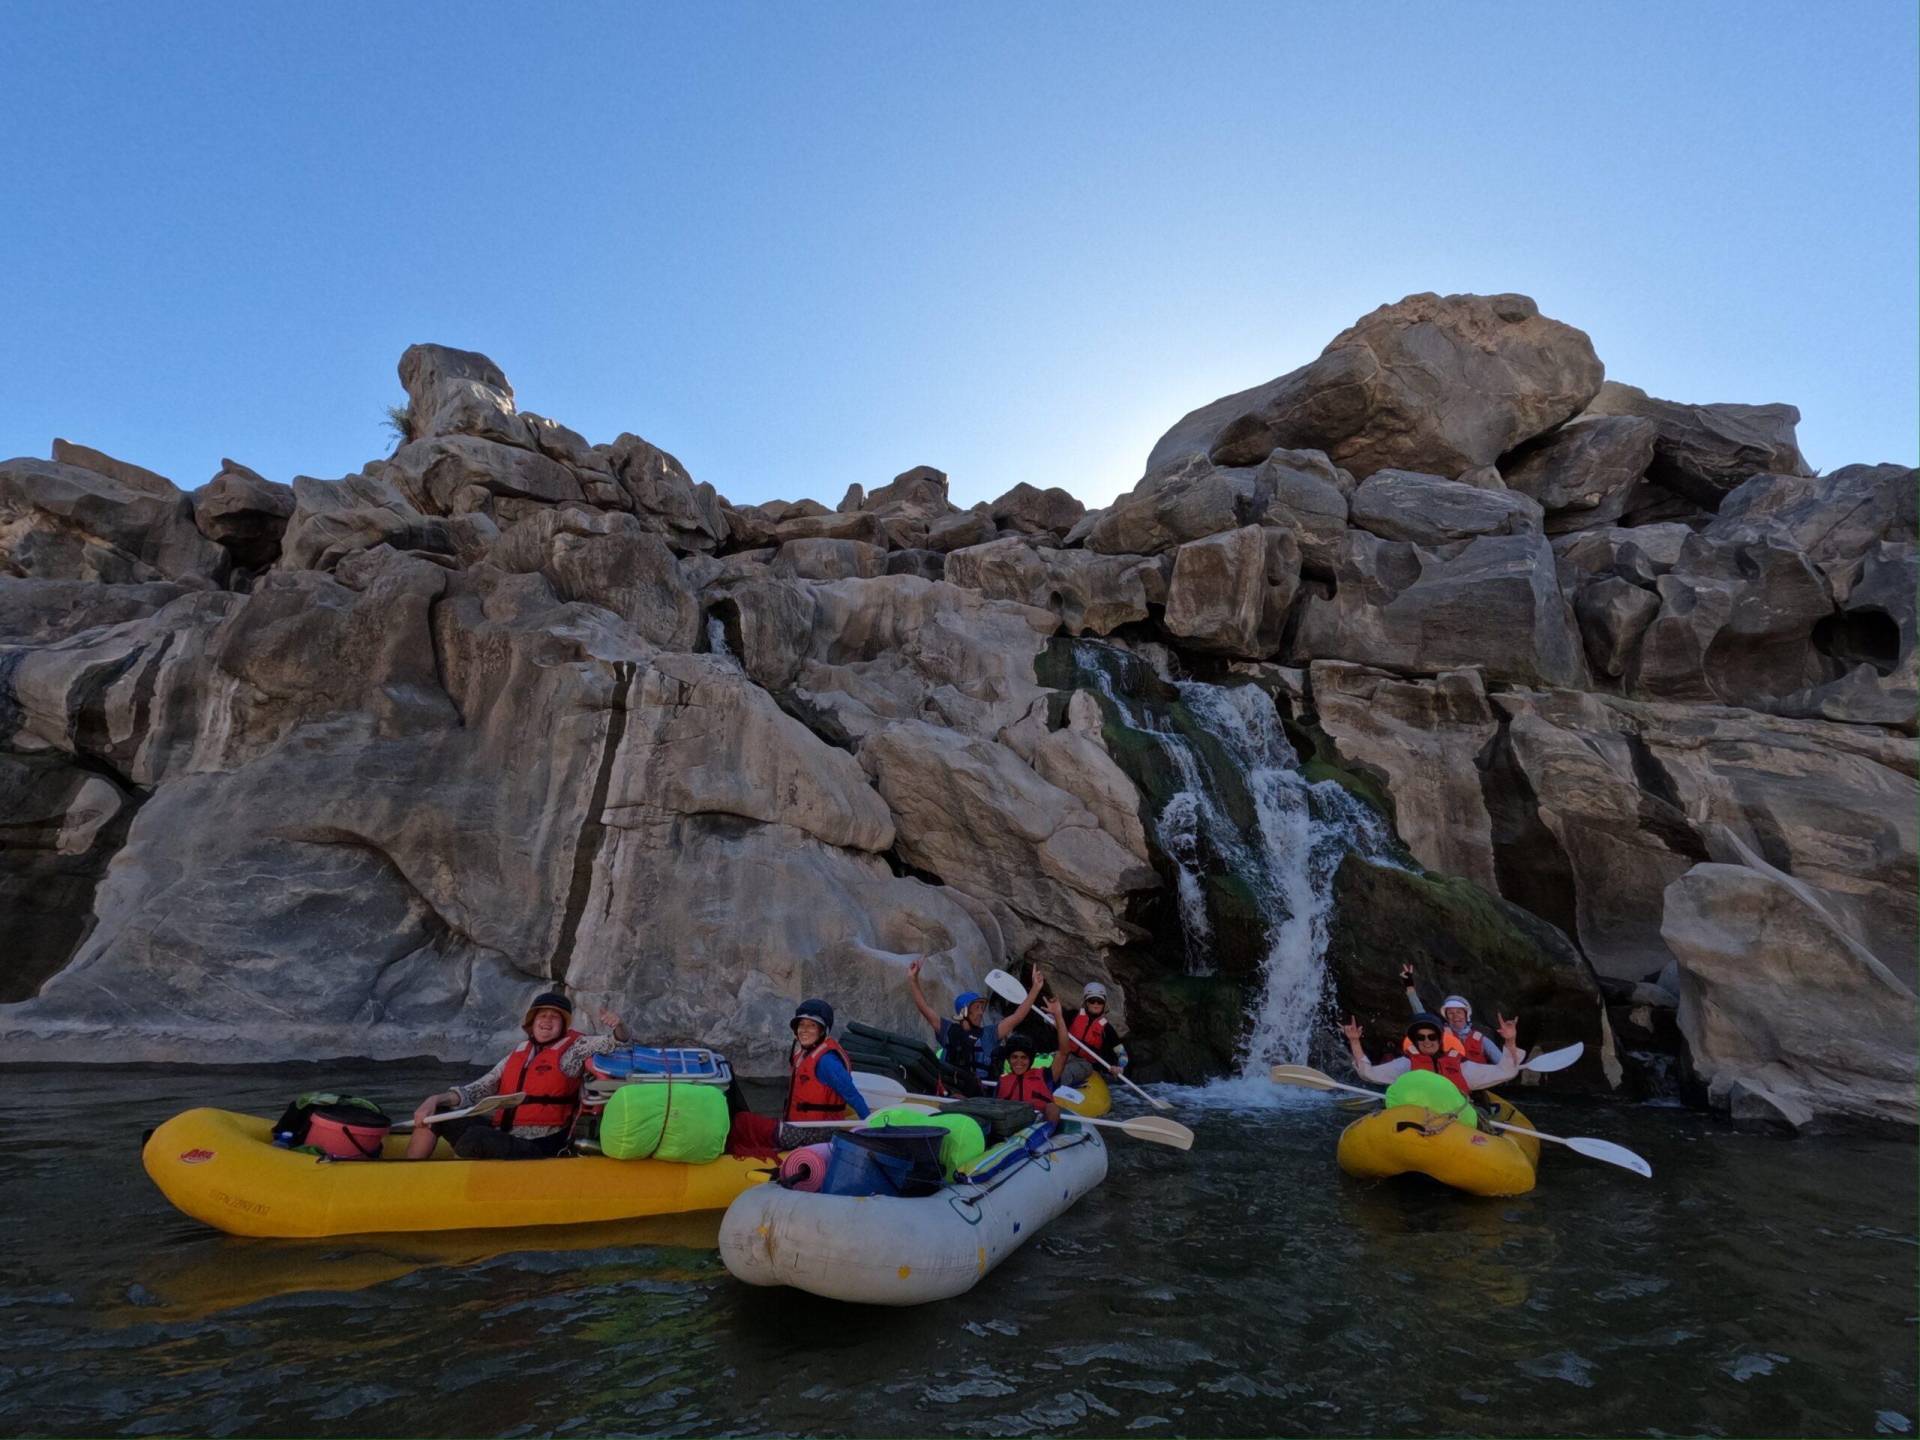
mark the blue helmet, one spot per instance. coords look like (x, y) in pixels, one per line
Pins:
(817, 1010)
(966, 998)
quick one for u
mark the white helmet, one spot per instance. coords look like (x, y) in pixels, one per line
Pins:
(1094, 991)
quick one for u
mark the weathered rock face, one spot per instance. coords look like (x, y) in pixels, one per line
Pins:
(1492, 602)
(350, 766)
(1704, 451)
(1433, 384)
(67, 522)
(1787, 1017)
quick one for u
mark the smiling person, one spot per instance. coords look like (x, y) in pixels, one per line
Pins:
(1477, 1044)
(969, 1046)
(1430, 1045)
(819, 1087)
(547, 1066)
(1091, 1028)
(1022, 1081)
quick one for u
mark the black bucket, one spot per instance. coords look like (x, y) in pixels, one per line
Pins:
(899, 1160)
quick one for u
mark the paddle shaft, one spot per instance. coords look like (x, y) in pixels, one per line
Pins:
(481, 1107)
(878, 1090)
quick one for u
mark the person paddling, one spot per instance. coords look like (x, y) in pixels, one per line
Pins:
(819, 1087)
(547, 1066)
(1476, 1044)
(969, 1047)
(1431, 1046)
(1022, 1081)
(1091, 1028)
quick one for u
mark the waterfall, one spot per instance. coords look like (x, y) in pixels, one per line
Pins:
(1230, 753)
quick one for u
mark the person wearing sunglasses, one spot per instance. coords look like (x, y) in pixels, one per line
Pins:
(1431, 1046)
(1478, 1044)
(1091, 1027)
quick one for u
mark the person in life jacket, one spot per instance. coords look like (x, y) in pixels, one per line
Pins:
(547, 1067)
(819, 1087)
(1429, 1045)
(1478, 1045)
(969, 1046)
(1022, 1081)
(1089, 1025)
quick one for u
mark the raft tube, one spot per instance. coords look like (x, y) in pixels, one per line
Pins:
(885, 1250)
(220, 1168)
(1096, 1099)
(1410, 1139)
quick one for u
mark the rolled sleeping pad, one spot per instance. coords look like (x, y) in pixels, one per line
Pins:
(805, 1168)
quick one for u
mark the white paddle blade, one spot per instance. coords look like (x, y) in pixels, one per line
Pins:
(879, 1091)
(1555, 1059)
(1068, 1094)
(1613, 1154)
(1006, 987)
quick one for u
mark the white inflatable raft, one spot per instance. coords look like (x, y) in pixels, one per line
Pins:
(884, 1250)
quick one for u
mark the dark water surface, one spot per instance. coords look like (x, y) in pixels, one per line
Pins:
(1757, 1286)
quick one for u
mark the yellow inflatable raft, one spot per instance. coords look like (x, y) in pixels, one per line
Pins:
(1096, 1099)
(1412, 1139)
(219, 1168)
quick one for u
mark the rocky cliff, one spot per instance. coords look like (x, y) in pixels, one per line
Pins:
(1441, 647)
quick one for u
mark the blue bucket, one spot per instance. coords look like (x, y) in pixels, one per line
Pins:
(898, 1160)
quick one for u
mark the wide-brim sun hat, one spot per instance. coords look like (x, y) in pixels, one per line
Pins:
(547, 1000)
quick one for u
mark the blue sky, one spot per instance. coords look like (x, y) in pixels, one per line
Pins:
(806, 245)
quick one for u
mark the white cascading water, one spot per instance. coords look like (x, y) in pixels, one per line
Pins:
(1300, 834)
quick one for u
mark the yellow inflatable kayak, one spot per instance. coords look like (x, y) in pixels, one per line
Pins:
(1096, 1099)
(219, 1168)
(1413, 1139)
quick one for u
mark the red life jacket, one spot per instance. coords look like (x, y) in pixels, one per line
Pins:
(1033, 1087)
(552, 1094)
(808, 1096)
(1088, 1031)
(1473, 1047)
(1448, 1064)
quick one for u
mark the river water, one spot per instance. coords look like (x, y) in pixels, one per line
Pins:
(1756, 1286)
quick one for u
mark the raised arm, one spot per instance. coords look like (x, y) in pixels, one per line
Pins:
(1062, 1049)
(1384, 1074)
(920, 998)
(1024, 1008)
(1413, 992)
(1480, 1077)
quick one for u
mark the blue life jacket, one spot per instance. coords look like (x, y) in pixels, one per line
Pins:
(966, 1049)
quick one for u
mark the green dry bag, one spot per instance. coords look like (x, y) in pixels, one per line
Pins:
(1433, 1092)
(965, 1139)
(683, 1123)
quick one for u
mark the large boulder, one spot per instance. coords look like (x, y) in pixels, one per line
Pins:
(1168, 510)
(458, 392)
(1424, 739)
(1308, 495)
(1702, 452)
(1787, 1017)
(974, 814)
(1870, 640)
(1431, 510)
(1433, 384)
(1492, 602)
(1093, 594)
(1622, 794)
(115, 524)
(333, 519)
(688, 516)
(454, 474)
(1584, 473)
(1230, 594)
(610, 560)
(1050, 514)
(244, 513)
(1835, 520)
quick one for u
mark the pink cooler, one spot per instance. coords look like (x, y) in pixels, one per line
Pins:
(346, 1134)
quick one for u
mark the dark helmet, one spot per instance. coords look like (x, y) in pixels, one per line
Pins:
(1425, 1020)
(812, 1010)
(1018, 1044)
(547, 1000)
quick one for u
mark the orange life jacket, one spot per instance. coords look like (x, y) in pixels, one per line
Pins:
(552, 1094)
(1448, 1064)
(1088, 1031)
(1033, 1087)
(1473, 1046)
(808, 1096)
